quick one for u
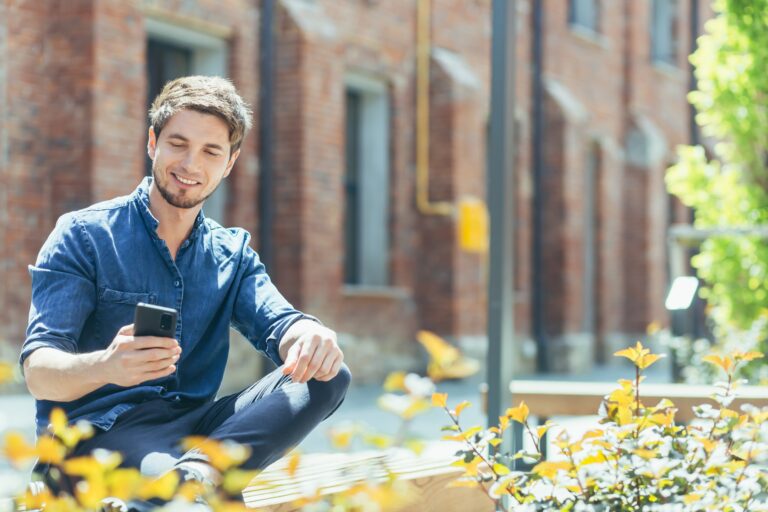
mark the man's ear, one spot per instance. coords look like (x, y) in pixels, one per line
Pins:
(231, 162)
(151, 143)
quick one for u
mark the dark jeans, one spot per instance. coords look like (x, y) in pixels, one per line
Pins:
(271, 417)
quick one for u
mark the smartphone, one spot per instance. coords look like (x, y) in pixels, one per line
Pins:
(152, 320)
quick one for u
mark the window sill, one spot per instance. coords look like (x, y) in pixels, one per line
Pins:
(588, 35)
(374, 292)
(668, 69)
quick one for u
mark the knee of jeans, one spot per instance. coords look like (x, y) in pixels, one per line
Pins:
(338, 385)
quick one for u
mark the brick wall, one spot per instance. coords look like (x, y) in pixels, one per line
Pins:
(72, 100)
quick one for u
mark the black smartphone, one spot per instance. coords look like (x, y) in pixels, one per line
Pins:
(151, 320)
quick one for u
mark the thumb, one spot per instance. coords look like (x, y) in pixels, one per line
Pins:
(290, 359)
(126, 330)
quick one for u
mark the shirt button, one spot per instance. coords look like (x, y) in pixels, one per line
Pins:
(185, 244)
(177, 283)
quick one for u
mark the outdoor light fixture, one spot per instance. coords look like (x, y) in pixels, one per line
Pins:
(681, 293)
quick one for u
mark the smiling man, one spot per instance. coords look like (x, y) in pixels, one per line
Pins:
(144, 394)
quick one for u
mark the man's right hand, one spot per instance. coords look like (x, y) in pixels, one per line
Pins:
(130, 360)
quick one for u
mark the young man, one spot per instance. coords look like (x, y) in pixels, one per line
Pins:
(144, 394)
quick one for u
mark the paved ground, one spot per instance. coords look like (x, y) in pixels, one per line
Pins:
(17, 413)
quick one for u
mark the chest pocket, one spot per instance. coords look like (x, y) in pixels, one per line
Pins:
(116, 309)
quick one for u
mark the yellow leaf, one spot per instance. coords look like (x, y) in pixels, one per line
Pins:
(58, 420)
(463, 405)
(647, 360)
(379, 441)
(415, 445)
(7, 372)
(747, 356)
(519, 413)
(17, 450)
(395, 381)
(501, 469)
(549, 469)
(691, 498)
(191, 489)
(439, 350)
(439, 399)
(235, 480)
(293, 463)
(89, 493)
(722, 362)
(597, 458)
(418, 405)
(123, 483)
(50, 451)
(163, 487)
(222, 455)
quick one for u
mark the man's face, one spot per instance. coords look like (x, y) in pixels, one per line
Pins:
(190, 158)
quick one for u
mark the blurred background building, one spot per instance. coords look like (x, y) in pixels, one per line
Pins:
(330, 191)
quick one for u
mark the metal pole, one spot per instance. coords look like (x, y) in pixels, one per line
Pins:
(500, 200)
(538, 291)
(266, 131)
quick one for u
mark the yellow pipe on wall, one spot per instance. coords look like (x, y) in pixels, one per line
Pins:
(423, 51)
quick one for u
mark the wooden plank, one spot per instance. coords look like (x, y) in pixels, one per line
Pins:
(275, 489)
(565, 398)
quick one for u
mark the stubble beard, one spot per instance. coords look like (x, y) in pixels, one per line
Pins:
(179, 200)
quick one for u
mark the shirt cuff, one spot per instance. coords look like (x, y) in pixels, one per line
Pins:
(273, 342)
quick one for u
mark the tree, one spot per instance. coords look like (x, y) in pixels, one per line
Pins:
(731, 188)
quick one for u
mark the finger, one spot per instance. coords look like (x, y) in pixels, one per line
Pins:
(141, 357)
(306, 352)
(145, 342)
(326, 365)
(126, 330)
(158, 374)
(333, 371)
(290, 359)
(156, 366)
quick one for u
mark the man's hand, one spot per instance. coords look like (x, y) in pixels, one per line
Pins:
(310, 351)
(130, 360)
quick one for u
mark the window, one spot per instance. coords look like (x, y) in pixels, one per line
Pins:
(174, 51)
(664, 31)
(585, 13)
(366, 183)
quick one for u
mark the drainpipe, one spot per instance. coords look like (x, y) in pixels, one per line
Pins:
(423, 50)
(537, 267)
(266, 133)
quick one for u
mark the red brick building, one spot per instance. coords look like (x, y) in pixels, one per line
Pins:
(604, 97)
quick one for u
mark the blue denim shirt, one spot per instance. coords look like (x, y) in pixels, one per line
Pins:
(98, 263)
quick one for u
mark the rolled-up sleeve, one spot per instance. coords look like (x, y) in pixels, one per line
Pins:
(261, 313)
(63, 289)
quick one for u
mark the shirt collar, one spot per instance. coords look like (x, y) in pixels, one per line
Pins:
(141, 197)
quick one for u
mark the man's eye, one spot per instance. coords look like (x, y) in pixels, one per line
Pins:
(212, 153)
(176, 145)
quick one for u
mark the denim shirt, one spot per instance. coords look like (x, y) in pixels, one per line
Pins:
(98, 263)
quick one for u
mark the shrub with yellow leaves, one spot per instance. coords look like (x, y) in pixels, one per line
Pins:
(639, 458)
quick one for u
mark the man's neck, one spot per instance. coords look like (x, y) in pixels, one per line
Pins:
(174, 224)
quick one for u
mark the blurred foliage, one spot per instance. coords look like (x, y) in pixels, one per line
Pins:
(639, 459)
(731, 188)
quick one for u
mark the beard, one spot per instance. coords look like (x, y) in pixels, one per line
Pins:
(180, 200)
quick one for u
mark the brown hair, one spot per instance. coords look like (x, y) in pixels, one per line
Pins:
(206, 94)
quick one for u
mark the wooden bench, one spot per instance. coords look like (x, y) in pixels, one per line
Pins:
(275, 490)
(546, 399)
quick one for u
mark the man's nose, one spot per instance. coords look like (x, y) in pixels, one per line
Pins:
(191, 162)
